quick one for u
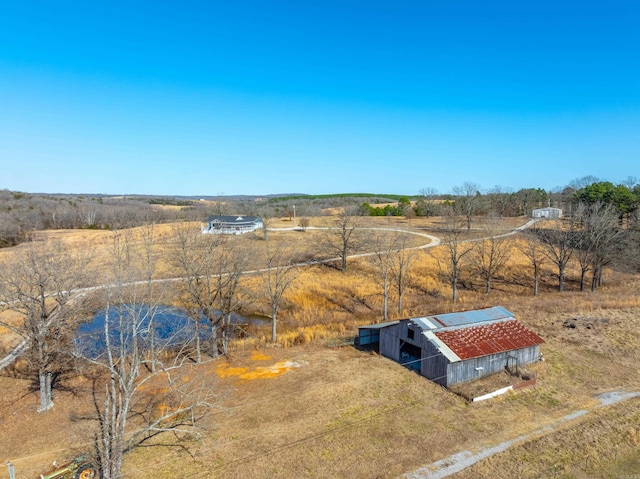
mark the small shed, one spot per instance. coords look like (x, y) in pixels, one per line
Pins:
(459, 347)
(369, 336)
(231, 225)
(548, 212)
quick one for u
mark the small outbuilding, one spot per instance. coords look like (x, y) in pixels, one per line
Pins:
(231, 225)
(459, 347)
(548, 212)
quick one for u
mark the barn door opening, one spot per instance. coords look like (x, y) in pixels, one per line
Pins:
(410, 356)
(512, 365)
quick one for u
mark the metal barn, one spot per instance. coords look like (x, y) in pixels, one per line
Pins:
(549, 213)
(460, 347)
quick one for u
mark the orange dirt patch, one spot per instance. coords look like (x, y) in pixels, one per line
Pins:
(261, 372)
(259, 356)
(225, 371)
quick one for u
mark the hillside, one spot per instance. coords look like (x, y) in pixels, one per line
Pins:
(307, 408)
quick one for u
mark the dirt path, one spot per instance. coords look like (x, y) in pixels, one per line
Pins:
(464, 459)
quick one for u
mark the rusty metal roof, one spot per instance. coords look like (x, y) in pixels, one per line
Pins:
(475, 341)
(474, 316)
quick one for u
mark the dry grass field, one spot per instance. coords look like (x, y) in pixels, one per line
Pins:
(304, 408)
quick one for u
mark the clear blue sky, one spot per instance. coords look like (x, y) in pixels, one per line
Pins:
(258, 97)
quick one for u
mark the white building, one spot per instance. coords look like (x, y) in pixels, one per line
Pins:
(548, 212)
(231, 225)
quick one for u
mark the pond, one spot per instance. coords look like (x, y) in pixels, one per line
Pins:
(160, 326)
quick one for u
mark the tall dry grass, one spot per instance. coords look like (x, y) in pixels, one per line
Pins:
(324, 303)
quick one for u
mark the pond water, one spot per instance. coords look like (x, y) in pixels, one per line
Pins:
(164, 326)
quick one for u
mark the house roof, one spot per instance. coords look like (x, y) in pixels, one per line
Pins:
(481, 340)
(234, 219)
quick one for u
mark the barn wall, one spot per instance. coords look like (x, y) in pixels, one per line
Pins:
(463, 371)
(368, 336)
(392, 338)
(389, 342)
(434, 364)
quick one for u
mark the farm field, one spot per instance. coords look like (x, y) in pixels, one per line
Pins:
(308, 408)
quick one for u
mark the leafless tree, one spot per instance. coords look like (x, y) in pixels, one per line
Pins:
(597, 239)
(403, 259)
(583, 243)
(501, 200)
(39, 284)
(304, 223)
(458, 250)
(468, 201)
(533, 249)
(579, 183)
(491, 254)
(197, 257)
(232, 296)
(281, 272)
(382, 257)
(427, 205)
(558, 240)
(129, 413)
(344, 237)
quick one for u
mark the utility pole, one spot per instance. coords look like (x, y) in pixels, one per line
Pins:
(294, 216)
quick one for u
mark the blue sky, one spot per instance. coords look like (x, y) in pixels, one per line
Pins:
(259, 97)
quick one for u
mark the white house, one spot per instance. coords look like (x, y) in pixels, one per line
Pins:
(231, 225)
(548, 212)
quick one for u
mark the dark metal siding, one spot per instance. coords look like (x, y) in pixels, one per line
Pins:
(390, 343)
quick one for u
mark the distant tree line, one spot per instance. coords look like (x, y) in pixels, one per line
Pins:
(470, 200)
(21, 214)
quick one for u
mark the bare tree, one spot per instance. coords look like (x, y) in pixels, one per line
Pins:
(468, 201)
(427, 204)
(39, 284)
(583, 243)
(533, 249)
(304, 223)
(129, 364)
(491, 254)
(197, 258)
(232, 296)
(281, 272)
(558, 241)
(597, 239)
(384, 246)
(501, 200)
(458, 250)
(403, 259)
(580, 183)
(344, 238)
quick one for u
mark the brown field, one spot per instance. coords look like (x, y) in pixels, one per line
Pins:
(305, 408)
